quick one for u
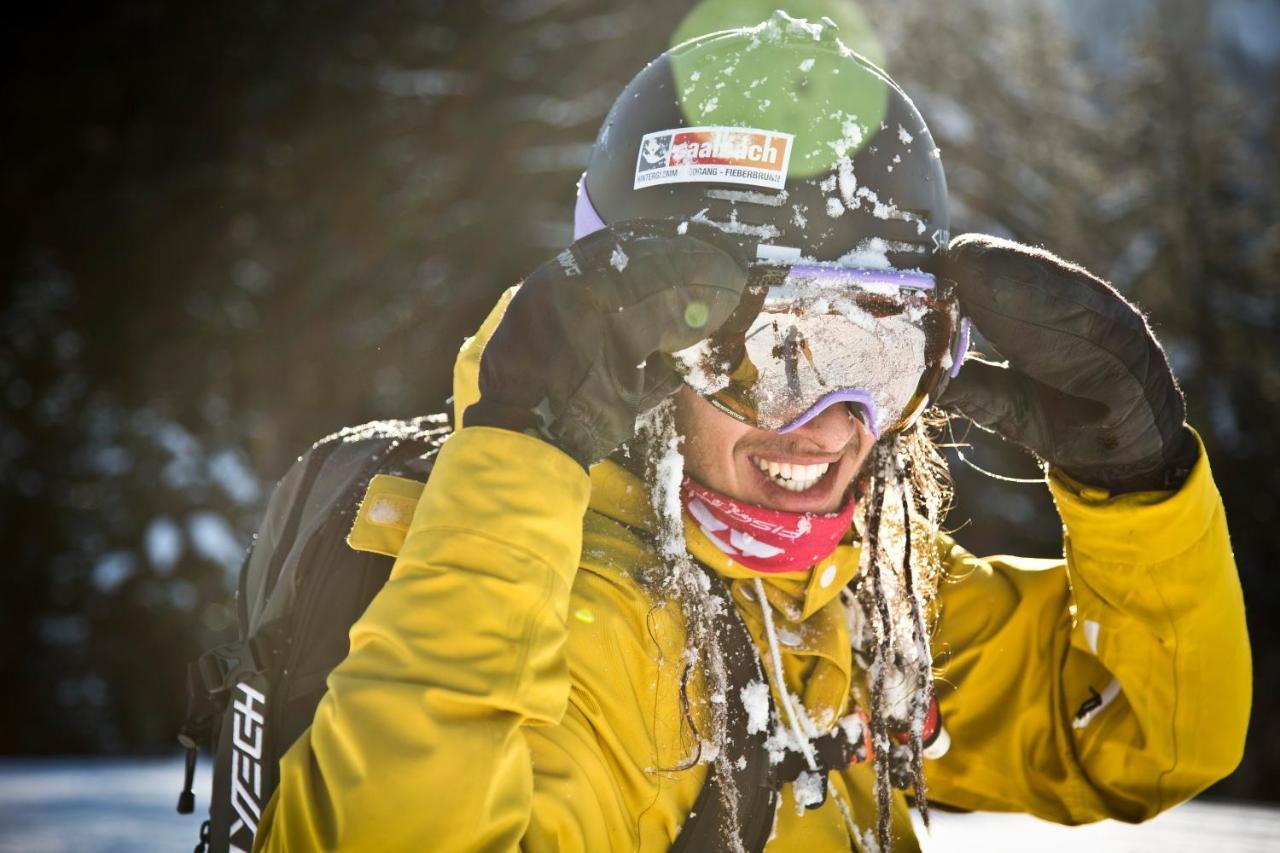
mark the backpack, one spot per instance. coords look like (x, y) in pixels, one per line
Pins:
(303, 585)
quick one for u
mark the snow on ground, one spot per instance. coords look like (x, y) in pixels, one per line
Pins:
(100, 805)
(1195, 826)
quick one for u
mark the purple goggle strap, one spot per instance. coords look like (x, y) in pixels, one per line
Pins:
(850, 275)
(959, 346)
(585, 218)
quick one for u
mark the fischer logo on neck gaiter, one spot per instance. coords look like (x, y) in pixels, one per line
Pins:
(766, 540)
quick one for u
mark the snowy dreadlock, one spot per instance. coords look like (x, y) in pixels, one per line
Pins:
(681, 581)
(905, 478)
(907, 493)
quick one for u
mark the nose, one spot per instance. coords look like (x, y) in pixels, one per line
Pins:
(832, 429)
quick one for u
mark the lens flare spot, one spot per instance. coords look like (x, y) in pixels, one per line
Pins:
(582, 614)
(696, 315)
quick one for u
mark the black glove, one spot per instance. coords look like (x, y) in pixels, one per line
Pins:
(575, 359)
(1087, 388)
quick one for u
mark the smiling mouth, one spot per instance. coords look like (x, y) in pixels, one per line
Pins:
(792, 476)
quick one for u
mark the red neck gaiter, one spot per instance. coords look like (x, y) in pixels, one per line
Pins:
(766, 540)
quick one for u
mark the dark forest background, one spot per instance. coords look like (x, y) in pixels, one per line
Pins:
(232, 228)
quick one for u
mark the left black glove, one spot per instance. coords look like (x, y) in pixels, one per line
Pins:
(1087, 387)
(577, 355)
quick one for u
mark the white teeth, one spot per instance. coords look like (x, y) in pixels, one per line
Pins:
(793, 477)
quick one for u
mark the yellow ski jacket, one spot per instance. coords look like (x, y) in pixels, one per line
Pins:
(513, 686)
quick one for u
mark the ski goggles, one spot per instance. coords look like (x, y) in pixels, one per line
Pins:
(810, 336)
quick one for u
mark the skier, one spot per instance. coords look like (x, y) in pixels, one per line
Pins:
(682, 558)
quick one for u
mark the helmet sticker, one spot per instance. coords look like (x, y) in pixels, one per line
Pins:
(724, 155)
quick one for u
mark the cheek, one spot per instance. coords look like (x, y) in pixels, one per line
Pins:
(858, 458)
(864, 450)
(709, 439)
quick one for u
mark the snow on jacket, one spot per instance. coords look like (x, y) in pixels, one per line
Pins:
(513, 687)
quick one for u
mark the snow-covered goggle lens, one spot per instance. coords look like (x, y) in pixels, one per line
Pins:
(809, 336)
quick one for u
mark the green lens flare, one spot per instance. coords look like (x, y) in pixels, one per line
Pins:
(804, 86)
(696, 315)
(711, 16)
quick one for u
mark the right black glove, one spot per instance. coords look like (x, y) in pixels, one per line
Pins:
(575, 359)
(1087, 386)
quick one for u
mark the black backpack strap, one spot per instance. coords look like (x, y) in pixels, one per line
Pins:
(754, 779)
(297, 567)
(208, 679)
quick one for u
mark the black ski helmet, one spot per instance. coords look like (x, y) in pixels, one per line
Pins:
(778, 133)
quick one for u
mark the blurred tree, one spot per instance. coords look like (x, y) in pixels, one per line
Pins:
(229, 233)
(1202, 259)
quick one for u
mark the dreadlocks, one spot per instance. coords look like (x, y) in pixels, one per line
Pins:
(908, 491)
(681, 581)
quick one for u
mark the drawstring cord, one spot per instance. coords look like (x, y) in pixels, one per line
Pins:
(780, 683)
(766, 610)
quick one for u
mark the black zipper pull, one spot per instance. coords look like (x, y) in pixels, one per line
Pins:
(187, 799)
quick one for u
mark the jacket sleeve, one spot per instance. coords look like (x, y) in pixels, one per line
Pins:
(420, 740)
(1113, 683)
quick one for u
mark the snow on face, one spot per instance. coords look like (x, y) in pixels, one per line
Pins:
(700, 370)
